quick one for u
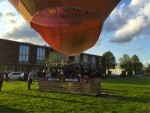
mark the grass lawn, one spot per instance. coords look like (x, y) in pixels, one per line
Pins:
(119, 95)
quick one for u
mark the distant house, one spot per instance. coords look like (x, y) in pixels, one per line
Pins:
(116, 71)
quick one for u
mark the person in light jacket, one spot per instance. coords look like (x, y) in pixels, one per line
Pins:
(30, 78)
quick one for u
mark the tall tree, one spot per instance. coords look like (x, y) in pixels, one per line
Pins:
(130, 65)
(108, 61)
(136, 64)
(125, 63)
(148, 68)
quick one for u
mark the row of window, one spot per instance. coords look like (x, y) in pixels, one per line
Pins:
(24, 55)
(86, 59)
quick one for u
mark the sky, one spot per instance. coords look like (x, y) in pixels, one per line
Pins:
(125, 31)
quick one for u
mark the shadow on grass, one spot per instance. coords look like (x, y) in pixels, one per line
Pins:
(123, 98)
(134, 81)
(6, 109)
(48, 98)
(107, 96)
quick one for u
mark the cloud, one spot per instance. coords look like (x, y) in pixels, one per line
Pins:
(117, 18)
(1, 15)
(135, 27)
(23, 33)
(135, 48)
(146, 63)
(15, 27)
(10, 17)
(2, 0)
(11, 14)
(129, 22)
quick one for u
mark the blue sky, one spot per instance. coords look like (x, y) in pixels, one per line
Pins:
(126, 30)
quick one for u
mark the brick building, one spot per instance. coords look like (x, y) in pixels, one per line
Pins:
(20, 56)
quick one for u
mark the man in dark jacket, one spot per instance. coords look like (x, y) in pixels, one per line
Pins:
(1, 79)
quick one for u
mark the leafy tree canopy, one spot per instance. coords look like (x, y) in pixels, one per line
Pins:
(130, 64)
(148, 68)
(55, 59)
(136, 64)
(108, 61)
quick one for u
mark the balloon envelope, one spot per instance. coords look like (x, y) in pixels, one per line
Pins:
(68, 26)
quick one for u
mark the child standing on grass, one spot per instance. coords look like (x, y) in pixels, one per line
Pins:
(1, 79)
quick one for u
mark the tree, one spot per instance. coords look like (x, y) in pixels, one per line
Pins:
(130, 65)
(55, 59)
(148, 68)
(108, 61)
(136, 64)
(125, 63)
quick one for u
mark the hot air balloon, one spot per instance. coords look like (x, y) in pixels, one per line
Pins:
(68, 26)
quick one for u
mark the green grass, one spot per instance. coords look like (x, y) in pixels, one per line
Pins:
(121, 95)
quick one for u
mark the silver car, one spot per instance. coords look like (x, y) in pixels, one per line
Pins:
(15, 75)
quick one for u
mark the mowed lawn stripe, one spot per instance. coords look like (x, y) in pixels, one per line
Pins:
(119, 95)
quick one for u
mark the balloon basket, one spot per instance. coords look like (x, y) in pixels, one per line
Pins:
(84, 87)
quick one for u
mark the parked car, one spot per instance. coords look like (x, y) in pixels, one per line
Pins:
(15, 75)
(136, 76)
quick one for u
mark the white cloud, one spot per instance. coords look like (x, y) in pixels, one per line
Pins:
(137, 48)
(22, 32)
(1, 0)
(117, 18)
(146, 63)
(1, 15)
(131, 30)
(136, 2)
(134, 21)
(14, 27)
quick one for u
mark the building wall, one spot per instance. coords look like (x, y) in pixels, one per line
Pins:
(9, 57)
(8, 51)
(88, 62)
(116, 71)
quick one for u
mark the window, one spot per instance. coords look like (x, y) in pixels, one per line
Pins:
(93, 60)
(24, 54)
(85, 59)
(76, 58)
(40, 55)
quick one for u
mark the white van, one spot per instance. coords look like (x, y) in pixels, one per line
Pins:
(15, 75)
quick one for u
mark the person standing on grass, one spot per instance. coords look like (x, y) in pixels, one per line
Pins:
(6, 77)
(1, 79)
(30, 78)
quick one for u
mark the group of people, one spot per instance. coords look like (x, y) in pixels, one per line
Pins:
(30, 78)
(74, 72)
(68, 72)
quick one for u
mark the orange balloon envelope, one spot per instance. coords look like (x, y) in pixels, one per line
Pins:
(68, 26)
